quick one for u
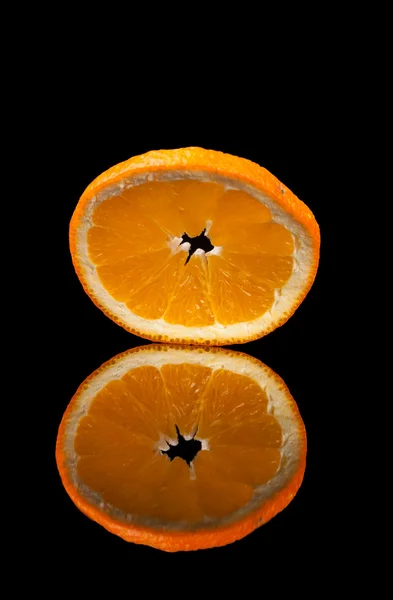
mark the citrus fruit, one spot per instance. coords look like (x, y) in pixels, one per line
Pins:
(181, 448)
(194, 246)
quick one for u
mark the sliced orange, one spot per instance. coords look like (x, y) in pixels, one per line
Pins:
(182, 448)
(194, 246)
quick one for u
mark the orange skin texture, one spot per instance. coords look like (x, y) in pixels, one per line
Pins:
(173, 541)
(211, 161)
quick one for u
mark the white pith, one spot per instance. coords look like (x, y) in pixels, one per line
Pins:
(285, 297)
(283, 409)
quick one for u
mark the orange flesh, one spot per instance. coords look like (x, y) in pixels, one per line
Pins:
(117, 442)
(129, 244)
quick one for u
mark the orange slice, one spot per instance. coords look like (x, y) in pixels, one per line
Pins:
(194, 246)
(181, 448)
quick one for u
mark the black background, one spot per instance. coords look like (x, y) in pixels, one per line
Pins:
(82, 337)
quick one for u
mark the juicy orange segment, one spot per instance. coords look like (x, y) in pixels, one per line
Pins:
(252, 466)
(119, 231)
(217, 496)
(196, 203)
(271, 271)
(129, 488)
(235, 297)
(147, 387)
(236, 207)
(185, 385)
(138, 493)
(257, 238)
(220, 498)
(262, 431)
(116, 403)
(176, 499)
(109, 456)
(151, 300)
(129, 247)
(98, 435)
(190, 304)
(156, 201)
(230, 399)
(124, 279)
(124, 446)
